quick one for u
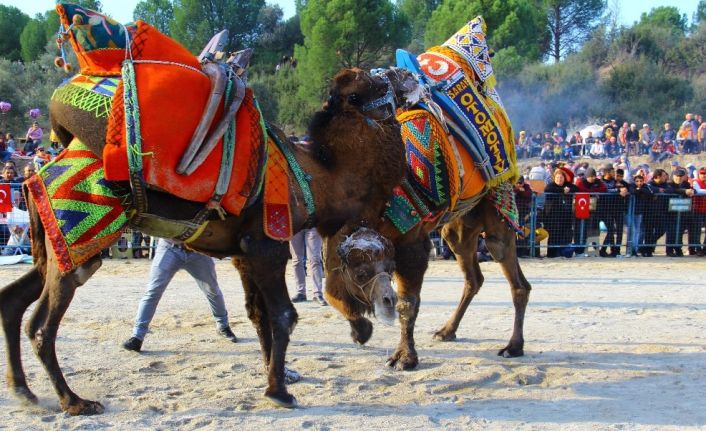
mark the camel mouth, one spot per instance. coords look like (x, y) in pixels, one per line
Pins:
(384, 300)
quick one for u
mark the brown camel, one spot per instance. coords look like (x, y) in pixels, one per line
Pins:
(353, 165)
(411, 259)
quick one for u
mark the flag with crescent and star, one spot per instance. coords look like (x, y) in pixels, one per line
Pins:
(582, 205)
(5, 198)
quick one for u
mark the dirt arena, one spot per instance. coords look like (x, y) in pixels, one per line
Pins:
(610, 344)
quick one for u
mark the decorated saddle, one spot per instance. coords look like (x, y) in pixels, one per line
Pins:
(462, 83)
(165, 102)
(461, 149)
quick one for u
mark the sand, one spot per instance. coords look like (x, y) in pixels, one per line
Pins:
(610, 344)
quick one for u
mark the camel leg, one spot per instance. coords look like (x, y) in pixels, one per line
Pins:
(334, 291)
(257, 313)
(501, 244)
(14, 300)
(265, 272)
(44, 324)
(463, 241)
(411, 260)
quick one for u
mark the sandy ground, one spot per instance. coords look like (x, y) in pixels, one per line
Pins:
(610, 344)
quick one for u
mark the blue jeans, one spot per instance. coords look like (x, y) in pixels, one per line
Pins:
(168, 259)
(306, 246)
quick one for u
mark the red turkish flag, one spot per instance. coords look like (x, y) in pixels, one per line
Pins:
(5, 198)
(582, 205)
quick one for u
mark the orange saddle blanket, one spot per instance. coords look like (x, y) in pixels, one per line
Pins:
(172, 92)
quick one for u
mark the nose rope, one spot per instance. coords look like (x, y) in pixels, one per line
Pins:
(368, 301)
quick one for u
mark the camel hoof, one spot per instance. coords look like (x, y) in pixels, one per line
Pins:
(291, 376)
(443, 335)
(25, 395)
(361, 330)
(85, 408)
(284, 400)
(511, 352)
(402, 363)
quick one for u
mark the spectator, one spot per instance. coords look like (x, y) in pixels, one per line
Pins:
(547, 152)
(10, 145)
(655, 222)
(539, 172)
(699, 214)
(536, 145)
(9, 174)
(559, 131)
(4, 153)
(610, 129)
(668, 135)
(577, 146)
(169, 258)
(523, 198)
(647, 139)
(612, 148)
(701, 136)
(679, 185)
(687, 134)
(558, 214)
(305, 247)
(612, 207)
(523, 145)
(632, 138)
(622, 135)
(598, 150)
(41, 157)
(34, 138)
(643, 197)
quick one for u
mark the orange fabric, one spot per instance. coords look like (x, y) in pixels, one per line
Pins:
(472, 182)
(277, 215)
(171, 100)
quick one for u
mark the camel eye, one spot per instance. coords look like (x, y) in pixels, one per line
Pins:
(353, 99)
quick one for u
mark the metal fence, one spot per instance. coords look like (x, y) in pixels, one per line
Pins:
(612, 225)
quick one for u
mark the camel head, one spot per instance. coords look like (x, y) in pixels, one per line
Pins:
(375, 95)
(367, 265)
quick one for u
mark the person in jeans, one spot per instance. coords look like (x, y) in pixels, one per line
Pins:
(305, 247)
(169, 258)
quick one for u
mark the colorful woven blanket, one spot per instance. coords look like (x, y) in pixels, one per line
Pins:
(463, 85)
(80, 213)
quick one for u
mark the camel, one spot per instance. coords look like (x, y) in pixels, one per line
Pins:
(353, 164)
(412, 250)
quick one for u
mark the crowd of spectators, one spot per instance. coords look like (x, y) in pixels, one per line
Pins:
(612, 189)
(613, 140)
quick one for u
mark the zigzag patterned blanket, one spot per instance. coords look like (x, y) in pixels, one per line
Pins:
(79, 211)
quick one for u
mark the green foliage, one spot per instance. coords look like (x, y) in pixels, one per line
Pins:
(276, 39)
(344, 33)
(700, 12)
(418, 13)
(12, 21)
(196, 21)
(570, 23)
(517, 24)
(158, 13)
(643, 89)
(33, 40)
(665, 17)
